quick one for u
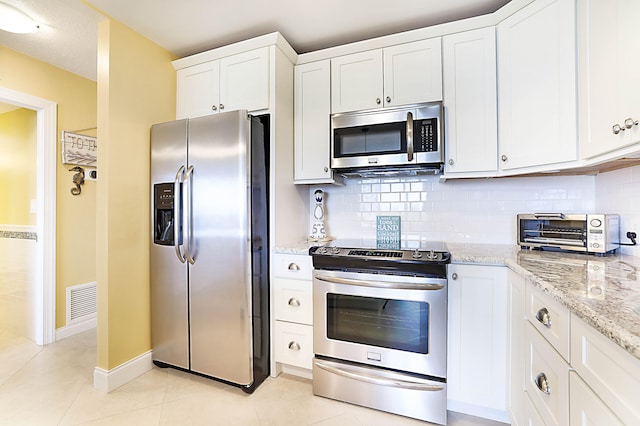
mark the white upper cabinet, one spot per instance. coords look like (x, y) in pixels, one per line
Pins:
(609, 67)
(236, 82)
(311, 117)
(413, 72)
(398, 75)
(471, 122)
(537, 85)
(198, 90)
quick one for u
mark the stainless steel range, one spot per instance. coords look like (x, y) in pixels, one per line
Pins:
(380, 329)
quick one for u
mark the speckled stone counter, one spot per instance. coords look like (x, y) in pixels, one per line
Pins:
(602, 290)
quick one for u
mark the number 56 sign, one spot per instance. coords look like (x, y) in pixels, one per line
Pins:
(79, 149)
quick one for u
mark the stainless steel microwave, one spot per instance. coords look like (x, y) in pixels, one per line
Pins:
(591, 233)
(402, 138)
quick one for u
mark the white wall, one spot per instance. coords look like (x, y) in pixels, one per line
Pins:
(619, 192)
(470, 210)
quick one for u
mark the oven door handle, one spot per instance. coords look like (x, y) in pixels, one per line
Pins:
(379, 380)
(435, 284)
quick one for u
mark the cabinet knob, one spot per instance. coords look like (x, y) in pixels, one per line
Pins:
(293, 267)
(294, 302)
(221, 106)
(378, 101)
(544, 317)
(388, 99)
(326, 169)
(214, 108)
(451, 162)
(617, 129)
(543, 384)
(504, 158)
(630, 122)
(294, 346)
(454, 276)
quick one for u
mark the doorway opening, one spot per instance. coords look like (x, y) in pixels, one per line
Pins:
(45, 208)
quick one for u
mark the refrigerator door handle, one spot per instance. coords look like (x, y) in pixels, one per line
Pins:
(177, 213)
(187, 210)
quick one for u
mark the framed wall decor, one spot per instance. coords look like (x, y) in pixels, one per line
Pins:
(80, 150)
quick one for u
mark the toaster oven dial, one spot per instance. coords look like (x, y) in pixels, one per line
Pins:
(596, 223)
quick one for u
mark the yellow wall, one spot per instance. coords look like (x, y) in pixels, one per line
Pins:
(76, 98)
(17, 166)
(136, 88)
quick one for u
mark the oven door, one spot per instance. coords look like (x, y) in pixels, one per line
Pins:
(388, 321)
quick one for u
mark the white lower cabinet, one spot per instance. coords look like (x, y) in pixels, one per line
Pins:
(477, 341)
(586, 407)
(293, 314)
(547, 379)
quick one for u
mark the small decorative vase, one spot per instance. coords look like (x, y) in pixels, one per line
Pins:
(317, 221)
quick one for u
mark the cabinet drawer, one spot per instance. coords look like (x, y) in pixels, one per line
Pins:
(294, 344)
(531, 415)
(609, 370)
(295, 266)
(550, 318)
(547, 379)
(586, 407)
(293, 301)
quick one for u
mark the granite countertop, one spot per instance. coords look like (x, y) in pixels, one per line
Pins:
(602, 290)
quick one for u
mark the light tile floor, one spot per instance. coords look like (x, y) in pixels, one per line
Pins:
(52, 385)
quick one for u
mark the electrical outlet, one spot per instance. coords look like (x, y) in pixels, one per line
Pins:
(91, 174)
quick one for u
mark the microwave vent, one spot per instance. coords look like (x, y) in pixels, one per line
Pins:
(423, 170)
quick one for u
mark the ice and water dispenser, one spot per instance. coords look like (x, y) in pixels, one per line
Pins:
(163, 214)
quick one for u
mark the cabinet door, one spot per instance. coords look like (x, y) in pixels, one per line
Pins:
(609, 68)
(197, 90)
(537, 85)
(517, 322)
(585, 407)
(244, 81)
(356, 81)
(470, 99)
(477, 341)
(413, 72)
(312, 123)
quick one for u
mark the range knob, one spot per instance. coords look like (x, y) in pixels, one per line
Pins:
(322, 250)
(416, 254)
(335, 250)
(432, 255)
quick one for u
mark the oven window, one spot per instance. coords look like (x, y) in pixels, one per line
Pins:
(375, 139)
(387, 323)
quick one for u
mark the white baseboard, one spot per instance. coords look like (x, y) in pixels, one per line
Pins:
(107, 381)
(79, 327)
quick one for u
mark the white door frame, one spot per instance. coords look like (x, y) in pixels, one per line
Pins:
(45, 276)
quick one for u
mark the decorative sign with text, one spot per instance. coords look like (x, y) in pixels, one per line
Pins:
(81, 150)
(388, 232)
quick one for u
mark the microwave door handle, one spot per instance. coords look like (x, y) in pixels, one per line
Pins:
(409, 136)
(549, 215)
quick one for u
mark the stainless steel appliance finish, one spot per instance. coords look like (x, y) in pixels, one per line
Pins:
(401, 140)
(590, 233)
(209, 273)
(380, 329)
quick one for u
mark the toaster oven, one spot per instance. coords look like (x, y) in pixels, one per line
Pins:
(590, 233)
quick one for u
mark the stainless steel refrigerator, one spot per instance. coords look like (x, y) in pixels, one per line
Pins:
(209, 247)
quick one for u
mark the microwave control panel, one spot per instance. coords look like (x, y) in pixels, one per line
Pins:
(427, 137)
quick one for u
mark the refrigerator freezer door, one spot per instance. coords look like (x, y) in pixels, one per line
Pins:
(220, 278)
(169, 310)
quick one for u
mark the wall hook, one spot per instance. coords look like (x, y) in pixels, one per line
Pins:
(78, 179)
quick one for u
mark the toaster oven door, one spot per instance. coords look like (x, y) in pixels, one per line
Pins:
(567, 232)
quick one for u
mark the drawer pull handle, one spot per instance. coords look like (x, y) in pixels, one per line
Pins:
(294, 346)
(293, 302)
(544, 317)
(543, 384)
(293, 267)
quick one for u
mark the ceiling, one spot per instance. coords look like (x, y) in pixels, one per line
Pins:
(68, 28)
